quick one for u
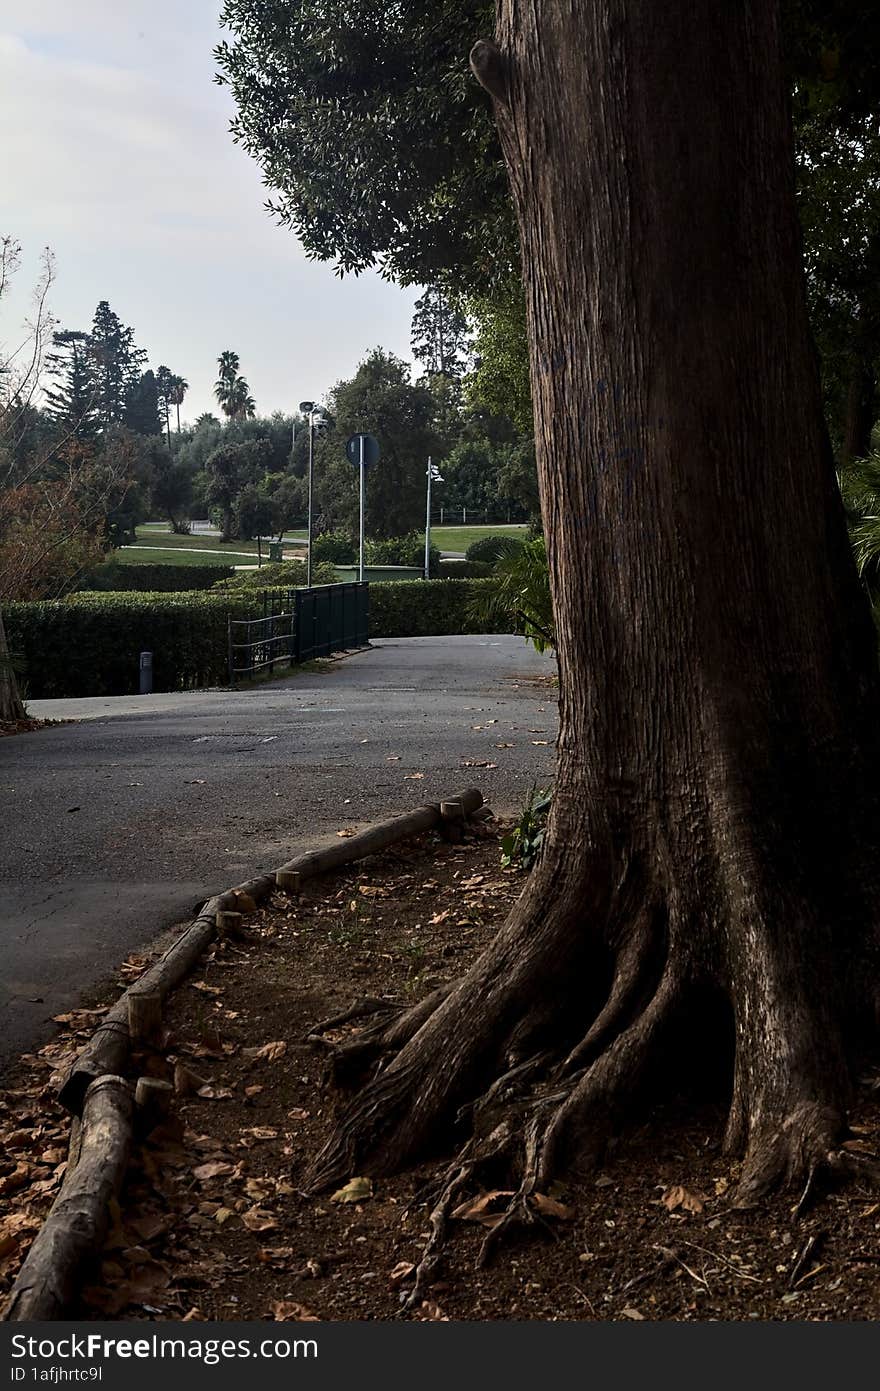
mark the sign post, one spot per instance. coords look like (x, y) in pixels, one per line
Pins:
(362, 451)
(361, 550)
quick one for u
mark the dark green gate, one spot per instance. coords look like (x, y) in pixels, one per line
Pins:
(331, 618)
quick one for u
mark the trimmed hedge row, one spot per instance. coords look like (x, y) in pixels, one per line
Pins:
(399, 609)
(111, 577)
(90, 644)
(452, 569)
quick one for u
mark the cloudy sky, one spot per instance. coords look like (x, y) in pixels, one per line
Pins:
(116, 153)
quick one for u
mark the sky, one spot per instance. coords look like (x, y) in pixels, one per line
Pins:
(117, 154)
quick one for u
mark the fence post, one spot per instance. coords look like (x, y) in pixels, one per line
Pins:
(230, 651)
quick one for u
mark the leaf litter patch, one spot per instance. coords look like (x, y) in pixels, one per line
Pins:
(213, 1225)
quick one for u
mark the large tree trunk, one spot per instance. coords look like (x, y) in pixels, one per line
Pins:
(714, 832)
(860, 407)
(11, 705)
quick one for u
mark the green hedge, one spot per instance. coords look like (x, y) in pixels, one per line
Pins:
(111, 577)
(403, 550)
(282, 574)
(90, 644)
(423, 609)
(336, 547)
(452, 569)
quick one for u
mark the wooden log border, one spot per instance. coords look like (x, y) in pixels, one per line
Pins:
(102, 1101)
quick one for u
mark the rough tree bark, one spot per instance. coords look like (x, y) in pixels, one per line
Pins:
(11, 704)
(714, 829)
(860, 408)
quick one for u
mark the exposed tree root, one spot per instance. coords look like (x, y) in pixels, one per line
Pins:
(535, 1057)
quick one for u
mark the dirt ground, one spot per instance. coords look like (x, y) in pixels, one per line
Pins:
(26, 726)
(212, 1224)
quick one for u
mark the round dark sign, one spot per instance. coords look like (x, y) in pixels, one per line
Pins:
(370, 447)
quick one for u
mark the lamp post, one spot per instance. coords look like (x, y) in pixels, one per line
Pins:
(433, 477)
(314, 413)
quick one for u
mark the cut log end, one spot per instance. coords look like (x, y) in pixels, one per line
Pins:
(144, 1016)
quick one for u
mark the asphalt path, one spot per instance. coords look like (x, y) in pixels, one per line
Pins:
(112, 829)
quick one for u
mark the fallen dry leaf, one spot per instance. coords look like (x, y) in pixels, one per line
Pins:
(552, 1207)
(682, 1197)
(355, 1191)
(17, 1179)
(205, 1172)
(286, 1311)
(433, 1312)
(257, 1219)
(413, 777)
(187, 1082)
(275, 1255)
(346, 834)
(269, 1052)
(402, 1271)
(479, 1209)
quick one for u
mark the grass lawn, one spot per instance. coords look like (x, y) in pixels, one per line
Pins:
(144, 554)
(458, 538)
(168, 549)
(160, 533)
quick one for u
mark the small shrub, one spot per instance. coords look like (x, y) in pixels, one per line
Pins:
(517, 594)
(286, 574)
(403, 550)
(490, 548)
(336, 547)
(524, 843)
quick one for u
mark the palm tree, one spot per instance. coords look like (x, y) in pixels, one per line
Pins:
(228, 364)
(179, 388)
(243, 405)
(231, 389)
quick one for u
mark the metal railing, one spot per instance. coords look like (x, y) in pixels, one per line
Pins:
(297, 626)
(257, 645)
(331, 618)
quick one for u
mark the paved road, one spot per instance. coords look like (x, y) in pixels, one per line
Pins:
(112, 829)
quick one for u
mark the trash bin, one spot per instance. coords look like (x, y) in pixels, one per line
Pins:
(276, 552)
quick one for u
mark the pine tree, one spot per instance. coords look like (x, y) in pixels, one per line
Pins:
(142, 414)
(117, 363)
(72, 402)
(439, 334)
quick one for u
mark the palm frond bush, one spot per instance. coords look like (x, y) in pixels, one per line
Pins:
(518, 592)
(859, 481)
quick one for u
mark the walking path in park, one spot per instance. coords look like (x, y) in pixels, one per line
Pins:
(116, 826)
